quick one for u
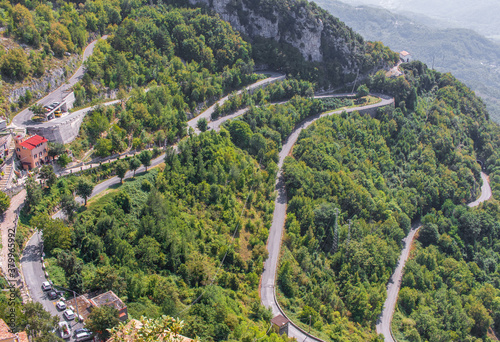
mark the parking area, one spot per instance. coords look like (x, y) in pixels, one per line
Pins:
(43, 292)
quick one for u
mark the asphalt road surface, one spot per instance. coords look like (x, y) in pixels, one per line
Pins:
(384, 321)
(32, 267)
(207, 114)
(268, 281)
(34, 276)
(23, 119)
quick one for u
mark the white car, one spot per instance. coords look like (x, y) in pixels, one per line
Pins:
(69, 315)
(61, 305)
(46, 286)
(65, 330)
(83, 336)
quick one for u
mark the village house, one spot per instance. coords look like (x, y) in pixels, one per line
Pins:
(405, 56)
(7, 336)
(84, 306)
(32, 151)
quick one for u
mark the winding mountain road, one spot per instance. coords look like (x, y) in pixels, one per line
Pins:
(268, 280)
(393, 286)
(23, 119)
(31, 264)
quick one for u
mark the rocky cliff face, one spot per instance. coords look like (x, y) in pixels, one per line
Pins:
(318, 36)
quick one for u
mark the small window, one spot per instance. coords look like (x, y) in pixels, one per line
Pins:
(18, 149)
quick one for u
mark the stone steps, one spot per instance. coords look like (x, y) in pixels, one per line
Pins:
(8, 166)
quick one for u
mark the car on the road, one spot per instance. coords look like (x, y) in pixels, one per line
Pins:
(69, 314)
(46, 286)
(84, 336)
(53, 295)
(64, 329)
(61, 305)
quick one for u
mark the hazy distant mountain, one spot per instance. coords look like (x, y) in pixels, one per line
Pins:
(479, 15)
(471, 57)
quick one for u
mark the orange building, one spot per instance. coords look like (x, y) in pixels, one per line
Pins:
(32, 151)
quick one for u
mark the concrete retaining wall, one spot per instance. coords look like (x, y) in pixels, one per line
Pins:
(64, 132)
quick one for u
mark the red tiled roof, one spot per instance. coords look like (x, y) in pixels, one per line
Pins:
(32, 142)
(23, 337)
(5, 331)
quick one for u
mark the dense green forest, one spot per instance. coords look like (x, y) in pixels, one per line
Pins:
(450, 288)
(380, 173)
(158, 241)
(188, 238)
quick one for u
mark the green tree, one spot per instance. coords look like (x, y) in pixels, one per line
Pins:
(134, 164)
(68, 205)
(63, 160)
(55, 149)
(362, 91)
(40, 323)
(429, 234)
(103, 147)
(164, 329)
(4, 202)
(121, 169)
(15, 64)
(101, 319)
(145, 158)
(38, 110)
(33, 193)
(48, 175)
(240, 133)
(55, 233)
(84, 188)
(202, 124)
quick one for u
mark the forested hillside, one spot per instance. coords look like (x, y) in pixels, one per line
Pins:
(188, 238)
(471, 57)
(380, 173)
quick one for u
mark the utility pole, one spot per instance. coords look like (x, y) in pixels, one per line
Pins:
(309, 324)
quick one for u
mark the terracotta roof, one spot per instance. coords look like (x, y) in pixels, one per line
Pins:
(4, 331)
(23, 337)
(6, 335)
(404, 53)
(280, 320)
(32, 142)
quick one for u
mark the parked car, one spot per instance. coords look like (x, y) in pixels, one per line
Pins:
(84, 336)
(61, 305)
(69, 314)
(81, 330)
(64, 329)
(46, 286)
(53, 295)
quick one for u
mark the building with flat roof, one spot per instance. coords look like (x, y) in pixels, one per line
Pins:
(31, 151)
(111, 299)
(86, 305)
